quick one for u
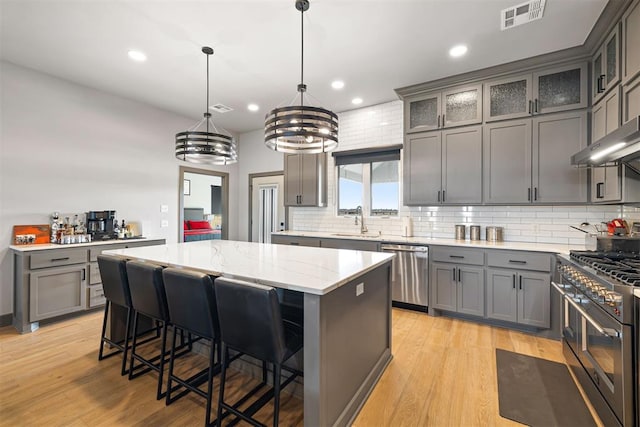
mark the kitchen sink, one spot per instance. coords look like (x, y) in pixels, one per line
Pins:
(358, 235)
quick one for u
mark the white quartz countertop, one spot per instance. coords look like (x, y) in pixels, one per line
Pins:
(304, 269)
(482, 244)
(45, 246)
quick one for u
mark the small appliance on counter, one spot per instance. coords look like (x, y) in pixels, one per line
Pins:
(100, 225)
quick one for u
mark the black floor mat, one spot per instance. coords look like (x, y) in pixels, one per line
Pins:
(539, 392)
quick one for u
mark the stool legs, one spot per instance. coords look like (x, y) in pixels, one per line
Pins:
(121, 348)
(149, 363)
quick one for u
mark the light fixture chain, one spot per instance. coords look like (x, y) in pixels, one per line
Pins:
(302, 55)
(206, 109)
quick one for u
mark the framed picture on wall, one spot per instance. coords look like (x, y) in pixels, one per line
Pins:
(187, 187)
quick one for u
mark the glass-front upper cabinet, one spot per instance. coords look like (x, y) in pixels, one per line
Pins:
(606, 66)
(547, 91)
(423, 112)
(462, 106)
(457, 106)
(507, 98)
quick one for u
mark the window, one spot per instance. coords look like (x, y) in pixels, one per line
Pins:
(370, 179)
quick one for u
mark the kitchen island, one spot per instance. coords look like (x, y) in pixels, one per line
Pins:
(347, 311)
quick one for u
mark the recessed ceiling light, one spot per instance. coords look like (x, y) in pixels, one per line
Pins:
(458, 50)
(337, 84)
(136, 55)
(356, 101)
(253, 107)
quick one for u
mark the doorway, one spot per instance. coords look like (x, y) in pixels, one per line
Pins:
(266, 205)
(203, 201)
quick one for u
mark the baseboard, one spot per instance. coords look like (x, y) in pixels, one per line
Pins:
(6, 319)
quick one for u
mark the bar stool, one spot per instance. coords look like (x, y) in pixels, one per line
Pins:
(192, 307)
(251, 323)
(115, 284)
(149, 299)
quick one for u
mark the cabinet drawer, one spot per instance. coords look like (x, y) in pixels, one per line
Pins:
(295, 241)
(57, 257)
(97, 250)
(95, 296)
(457, 255)
(519, 260)
(94, 273)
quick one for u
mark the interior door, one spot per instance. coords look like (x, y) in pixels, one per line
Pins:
(267, 207)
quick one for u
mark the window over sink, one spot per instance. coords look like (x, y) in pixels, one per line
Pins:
(369, 178)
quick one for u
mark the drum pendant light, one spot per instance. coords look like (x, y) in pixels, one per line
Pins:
(301, 128)
(205, 143)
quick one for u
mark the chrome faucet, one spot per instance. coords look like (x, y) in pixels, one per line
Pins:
(363, 228)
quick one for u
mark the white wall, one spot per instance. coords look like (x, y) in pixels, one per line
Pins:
(253, 157)
(70, 148)
(200, 196)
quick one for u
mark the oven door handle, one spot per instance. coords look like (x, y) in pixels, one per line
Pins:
(611, 333)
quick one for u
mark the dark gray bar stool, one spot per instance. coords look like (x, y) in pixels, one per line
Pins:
(149, 299)
(251, 323)
(192, 307)
(115, 284)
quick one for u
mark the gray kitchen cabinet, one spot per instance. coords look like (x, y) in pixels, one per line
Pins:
(433, 162)
(305, 180)
(519, 296)
(278, 239)
(456, 106)
(356, 245)
(555, 139)
(630, 42)
(546, 91)
(57, 291)
(458, 288)
(52, 282)
(605, 115)
(422, 171)
(605, 73)
(507, 162)
(527, 161)
(631, 100)
(615, 184)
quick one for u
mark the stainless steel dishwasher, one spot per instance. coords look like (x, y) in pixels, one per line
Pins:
(409, 276)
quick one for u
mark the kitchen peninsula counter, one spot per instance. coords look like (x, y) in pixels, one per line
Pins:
(347, 311)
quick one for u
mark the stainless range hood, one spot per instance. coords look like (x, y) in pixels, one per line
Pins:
(621, 145)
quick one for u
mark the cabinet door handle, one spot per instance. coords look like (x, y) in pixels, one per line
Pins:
(600, 83)
(529, 194)
(599, 194)
(59, 259)
(535, 193)
(456, 256)
(514, 281)
(443, 120)
(517, 261)
(294, 243)
(536, 106)
(459, 277)
(454, 274)
(444, 195)
(438, 195)
(520, 282)
(84, 274)
(438, 120)
(530, 106)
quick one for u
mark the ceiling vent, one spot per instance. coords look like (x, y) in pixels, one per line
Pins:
(220, 108)
(521, 14)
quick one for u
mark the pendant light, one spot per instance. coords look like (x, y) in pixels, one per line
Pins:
(301, 128)
(205, 143)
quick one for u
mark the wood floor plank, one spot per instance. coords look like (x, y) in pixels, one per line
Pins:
(443, 373)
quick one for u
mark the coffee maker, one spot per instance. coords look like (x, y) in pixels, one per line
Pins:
(100, 224)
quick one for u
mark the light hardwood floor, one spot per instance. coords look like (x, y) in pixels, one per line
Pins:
(443, 374)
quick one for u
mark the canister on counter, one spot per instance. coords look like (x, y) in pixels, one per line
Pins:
(474, 232)
(495, 234)
(461, 232)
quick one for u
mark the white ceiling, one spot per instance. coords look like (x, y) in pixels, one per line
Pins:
(373, 45)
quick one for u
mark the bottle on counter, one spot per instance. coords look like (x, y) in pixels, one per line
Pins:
(121, 231)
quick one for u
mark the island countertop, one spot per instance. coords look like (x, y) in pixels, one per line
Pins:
(304, 269)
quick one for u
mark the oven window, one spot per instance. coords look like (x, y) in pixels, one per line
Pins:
(603, 351)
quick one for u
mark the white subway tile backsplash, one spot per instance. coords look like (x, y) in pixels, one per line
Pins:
(542, 224)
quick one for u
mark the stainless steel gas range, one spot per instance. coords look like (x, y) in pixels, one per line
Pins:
(599, 326)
